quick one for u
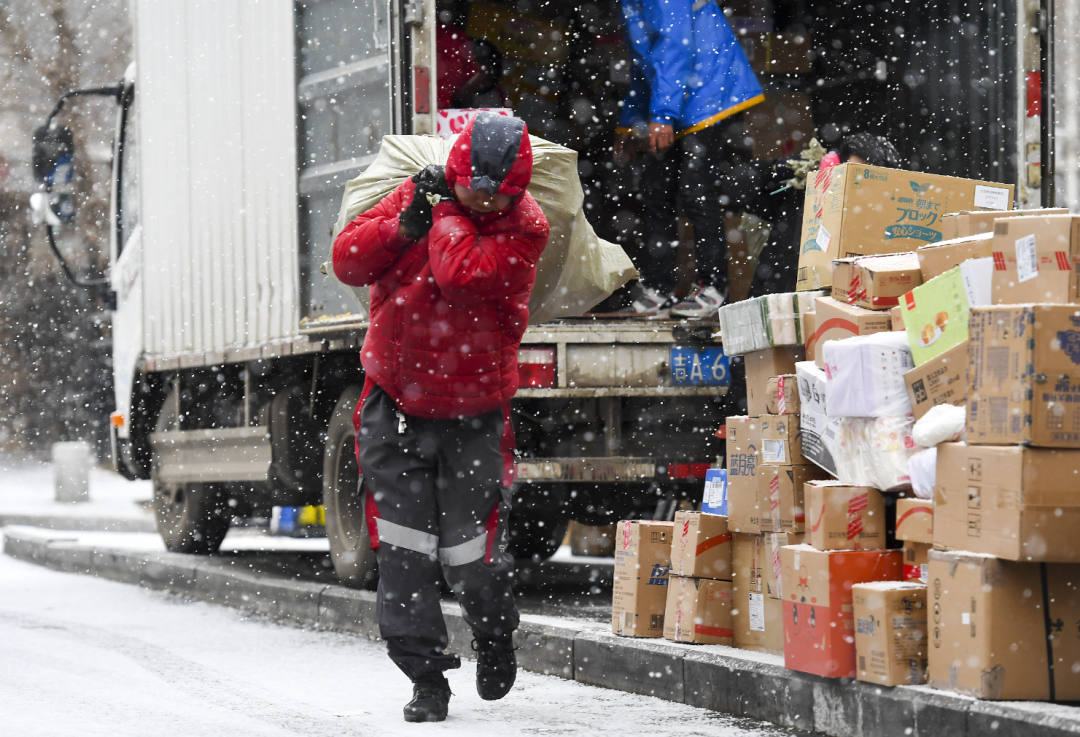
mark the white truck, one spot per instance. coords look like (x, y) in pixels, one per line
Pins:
(236, 360)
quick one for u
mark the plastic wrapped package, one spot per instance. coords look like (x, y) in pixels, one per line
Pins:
(764, 322)
(922, 467)
(942, 423)
(874, 451)
(866, 375)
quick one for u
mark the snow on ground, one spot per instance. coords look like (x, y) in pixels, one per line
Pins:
(87, 657)
(26, 487)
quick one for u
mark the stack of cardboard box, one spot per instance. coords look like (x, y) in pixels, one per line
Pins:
(699, 600)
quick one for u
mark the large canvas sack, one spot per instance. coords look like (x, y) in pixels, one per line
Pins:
(577, 269)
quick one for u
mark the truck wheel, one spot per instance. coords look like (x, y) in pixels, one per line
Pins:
(346, 527)
(191, 518)
(535, 538)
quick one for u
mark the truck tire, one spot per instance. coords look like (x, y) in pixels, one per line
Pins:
(346, 527)
(535, 538)
(191, 518)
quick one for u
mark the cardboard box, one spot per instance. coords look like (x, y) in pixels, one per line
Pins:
(896, 314)
(762, 366)
(1024, 377)
(994, 623)
(809, 323)
(781, 440)
(863, 210)
(743, 463)
(890, 633)
(642, 564)
(819, 624)
(937, 258)
(966, 222)
(915, 520)
(702, 546)
(699, 611)
(757, 618)
(915, 561)
(835, 320)
(592, 540)
(782, 395)
(780, 496)
(941, 380)
(1037, 259)
(815, 425)
(845, 287)
(936, 313)
(880, 281)
(844, 517)
(1010, 501)
(772, 542)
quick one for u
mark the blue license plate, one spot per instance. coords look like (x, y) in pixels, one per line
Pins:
(699, 366)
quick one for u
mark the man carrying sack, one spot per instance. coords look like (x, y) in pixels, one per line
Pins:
(450, 256)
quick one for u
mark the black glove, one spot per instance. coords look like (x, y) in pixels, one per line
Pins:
(416, 220)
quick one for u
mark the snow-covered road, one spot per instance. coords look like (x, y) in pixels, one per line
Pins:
(82, 656)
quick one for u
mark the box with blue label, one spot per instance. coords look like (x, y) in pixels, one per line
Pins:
(715, 499)
(861, 210)
(642, 566)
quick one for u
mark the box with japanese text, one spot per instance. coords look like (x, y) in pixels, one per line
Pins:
(642, 565)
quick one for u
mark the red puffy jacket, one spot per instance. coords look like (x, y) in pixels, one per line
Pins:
(448, 311)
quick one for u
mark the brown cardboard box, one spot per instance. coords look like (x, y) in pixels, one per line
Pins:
(589, 540)
(743, 468)
(915, 561)
(772, 542)
(890, 633)
(1010, 501)
(937, 258)
(1024, 376)
(699, 610)
(966, 222)
(844, 287)
(844, 517)
(782, 395)
(809, 323)
(702, 546)
(880, 281)
(819, 622)
(757, 618)
(780, 496)
(897, 316)
(993, 623)
(642, 563)
(835, 321)
(1036, 259)
(762, 366)
(864, 210)
(941, 380)
(915, 520)
(781, 440)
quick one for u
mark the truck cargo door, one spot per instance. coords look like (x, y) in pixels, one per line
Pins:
(349, 78)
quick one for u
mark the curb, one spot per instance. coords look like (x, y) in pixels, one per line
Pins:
(712, 677)
(78, 524)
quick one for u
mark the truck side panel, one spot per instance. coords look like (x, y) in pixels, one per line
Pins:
(216, 83)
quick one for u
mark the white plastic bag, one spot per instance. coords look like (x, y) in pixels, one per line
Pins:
(922, 467)
(943, 423)
(866, 375)
(874, 451)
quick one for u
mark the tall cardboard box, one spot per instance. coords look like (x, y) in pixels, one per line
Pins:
(780, 496)
(864, 210)
(819, 624)
(642, 564)
(890, 633)
(773, 542)
(762, 366)
(699, 611)
(941, 380)
(1024, 377)
(915, 520)
(757, 618)
(743, 467)
(701, 547)
(1003, 630)
(781, 440)
(844, 517)
(1037, 259)
(835, 320)
(1013, 502)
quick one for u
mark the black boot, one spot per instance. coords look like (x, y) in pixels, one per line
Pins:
(496, 666)
(431, 699)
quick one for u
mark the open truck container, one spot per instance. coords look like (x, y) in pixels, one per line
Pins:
(236, 359)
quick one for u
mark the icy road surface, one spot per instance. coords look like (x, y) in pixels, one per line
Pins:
(84, 657)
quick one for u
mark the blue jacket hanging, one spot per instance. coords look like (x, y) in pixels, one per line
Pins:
(688, 68)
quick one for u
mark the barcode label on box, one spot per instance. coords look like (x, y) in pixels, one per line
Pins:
(991, 198)
(757, 612)
(823, 238)
(1027, 260)
(773, 451)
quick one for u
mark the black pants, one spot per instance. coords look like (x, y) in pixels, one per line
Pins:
(435, 499)
(695, 169)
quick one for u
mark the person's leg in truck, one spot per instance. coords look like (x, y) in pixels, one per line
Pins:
(435, 506)
(659, 201)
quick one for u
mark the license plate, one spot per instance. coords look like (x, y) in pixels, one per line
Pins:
(699, 366)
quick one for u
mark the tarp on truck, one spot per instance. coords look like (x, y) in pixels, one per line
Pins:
(577, 270)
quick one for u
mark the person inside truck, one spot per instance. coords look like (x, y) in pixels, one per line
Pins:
(450, 256)
(765, 188)
(690, 83)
